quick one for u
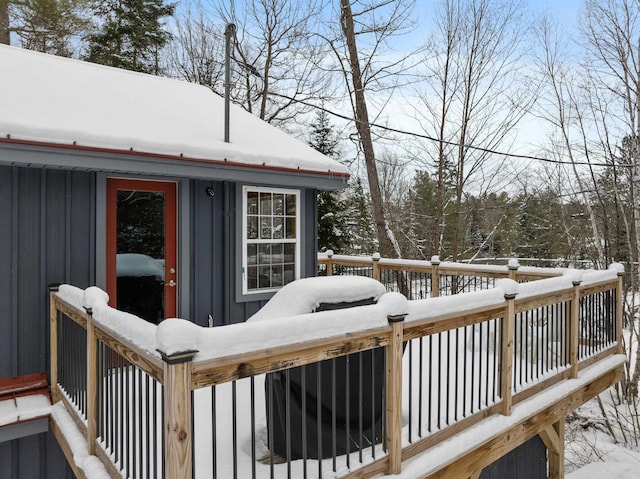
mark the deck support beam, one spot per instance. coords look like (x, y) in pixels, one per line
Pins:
(553, 438)
(493, 449)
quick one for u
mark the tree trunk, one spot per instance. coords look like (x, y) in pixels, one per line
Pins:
(5, 36)
(387, 246)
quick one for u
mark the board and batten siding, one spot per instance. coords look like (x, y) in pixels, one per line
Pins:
(527, 461)
(47, 220)
(216, 240)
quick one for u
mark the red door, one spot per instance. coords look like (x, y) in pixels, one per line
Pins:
(141, 247)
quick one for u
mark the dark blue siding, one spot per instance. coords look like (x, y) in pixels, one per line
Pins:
(528, 461)
(47, 224)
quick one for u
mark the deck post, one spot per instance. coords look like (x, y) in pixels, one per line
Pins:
(329, 262)
(53, 342)
(375, 258)
(506, 370)
(92, 384)
(512, 266)
(394, 394)
(619, 312)
(574, 330)
(435, 276)
(178, 428)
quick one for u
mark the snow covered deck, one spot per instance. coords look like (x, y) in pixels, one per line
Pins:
(467, 377)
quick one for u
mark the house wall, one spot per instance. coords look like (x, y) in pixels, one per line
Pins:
(46, 236)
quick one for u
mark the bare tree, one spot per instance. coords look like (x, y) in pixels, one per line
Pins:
(611, 29)
(359, 47)
(273, 57)
(197, 51)
(474, 94)
(5, 34)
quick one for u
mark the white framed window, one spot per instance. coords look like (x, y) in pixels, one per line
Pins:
(270, 238)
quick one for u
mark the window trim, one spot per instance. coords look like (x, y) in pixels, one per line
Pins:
(264, 293)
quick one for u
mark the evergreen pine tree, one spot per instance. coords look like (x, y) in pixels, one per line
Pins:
(47, 26)
(358, 209)
(333, 231)
(131, 34)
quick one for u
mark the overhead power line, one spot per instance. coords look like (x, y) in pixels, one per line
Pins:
(452, 143)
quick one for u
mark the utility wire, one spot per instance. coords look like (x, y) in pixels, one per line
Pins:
(450, 143)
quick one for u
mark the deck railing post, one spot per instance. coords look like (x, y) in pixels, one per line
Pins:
(574, 328)
(619, 311)
(92, 384)
(506, 370)
(512, 266)
(329, 262)
(53, 342)
(376, 266)
(435, 276)
(394, 394)
(178, 429)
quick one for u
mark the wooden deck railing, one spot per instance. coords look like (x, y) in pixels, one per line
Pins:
(433, 278)
(466, 358)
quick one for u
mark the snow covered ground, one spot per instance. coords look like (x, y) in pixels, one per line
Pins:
(591, 451)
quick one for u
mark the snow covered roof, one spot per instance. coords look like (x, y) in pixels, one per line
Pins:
(59, 102)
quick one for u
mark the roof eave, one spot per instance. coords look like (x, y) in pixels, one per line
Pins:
(87, 158)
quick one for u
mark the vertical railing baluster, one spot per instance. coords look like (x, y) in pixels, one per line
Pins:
(319, 416)
(214, 427)
(234, 429)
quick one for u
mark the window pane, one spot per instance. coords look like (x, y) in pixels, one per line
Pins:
(291, 228)
(252, 203)
(289, 253)
(291, 205)
(278, 205)
(265, 228)
(277, 275)
(289, 273)
(252, 278)
(264, 280)
(276, 253)
(252, 227)
(278, 227)
(252, 252)
(265, 204)
(265, 253)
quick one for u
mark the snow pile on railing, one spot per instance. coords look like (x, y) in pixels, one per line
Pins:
(570, 278)
(287, 319)
(463, 302)
(119, 323)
